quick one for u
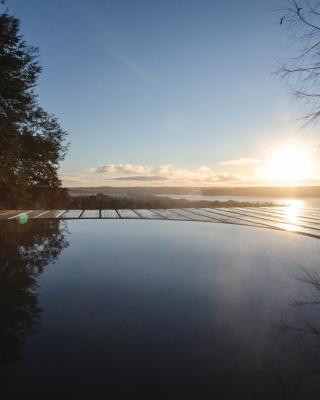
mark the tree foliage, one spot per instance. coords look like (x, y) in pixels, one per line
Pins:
(31, 140)
(302, 67)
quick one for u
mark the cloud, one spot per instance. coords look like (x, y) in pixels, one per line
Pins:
(235, 172)
(111, 43)
(242, 161)
(130, 169)
(129, 64)
(81, 179)
(163, 172)
(226, 178)
(140, 178)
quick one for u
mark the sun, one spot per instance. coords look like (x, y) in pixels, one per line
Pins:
(289, 165)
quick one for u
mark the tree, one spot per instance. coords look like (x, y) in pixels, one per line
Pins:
(300, 323)
(31, 140)
(302, 68)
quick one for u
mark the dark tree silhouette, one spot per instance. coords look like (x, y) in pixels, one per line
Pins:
(301, 69)
(31, 140)
(24, 252)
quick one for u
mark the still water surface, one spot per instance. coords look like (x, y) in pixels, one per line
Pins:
(158, 310)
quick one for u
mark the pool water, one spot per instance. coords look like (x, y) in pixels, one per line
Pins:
(157, 310)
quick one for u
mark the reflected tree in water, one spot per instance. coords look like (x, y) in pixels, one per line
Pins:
(25, 250)
(301, 325)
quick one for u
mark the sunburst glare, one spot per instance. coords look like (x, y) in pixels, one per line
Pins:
(289, 165)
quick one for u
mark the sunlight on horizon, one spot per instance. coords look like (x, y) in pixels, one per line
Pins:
(289, 165)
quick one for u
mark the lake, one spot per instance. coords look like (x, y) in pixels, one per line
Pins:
(308, 202)
(157, 310)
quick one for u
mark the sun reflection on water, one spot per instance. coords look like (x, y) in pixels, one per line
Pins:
(297, 204)
(292, 212)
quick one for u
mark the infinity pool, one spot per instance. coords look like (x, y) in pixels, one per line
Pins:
(157, 310)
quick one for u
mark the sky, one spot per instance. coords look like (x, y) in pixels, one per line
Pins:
(168, 92)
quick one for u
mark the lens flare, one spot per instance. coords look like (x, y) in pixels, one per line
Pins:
(23, 219)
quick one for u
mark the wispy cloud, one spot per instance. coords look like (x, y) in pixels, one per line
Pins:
(143, 178)
(133, 169)
(110, 41)
(126, 61)
(242, 161)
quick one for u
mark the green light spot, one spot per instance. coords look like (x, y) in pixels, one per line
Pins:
(23, 219)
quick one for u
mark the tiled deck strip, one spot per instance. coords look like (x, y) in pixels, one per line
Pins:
(51, 214)
(128, 214)
(71, 214)
(109, 214)
(267, 218)
(285, 226)
(302, 216)
(286, 218)
(292, 217)
(222, 218)
(189, 214)
(8, 214)
(171, 215)
(148, 214)
(95, 214)
(17, 214)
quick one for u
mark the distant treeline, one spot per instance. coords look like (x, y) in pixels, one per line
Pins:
(60, 199)
(100, 201)
(265, 191)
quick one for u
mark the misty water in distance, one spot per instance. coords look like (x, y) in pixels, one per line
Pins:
(158, 309)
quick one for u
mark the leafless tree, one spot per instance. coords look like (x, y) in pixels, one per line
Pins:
(301, 69)
(301, 323)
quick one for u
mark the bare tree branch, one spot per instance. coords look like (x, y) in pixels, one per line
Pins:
(301, 69)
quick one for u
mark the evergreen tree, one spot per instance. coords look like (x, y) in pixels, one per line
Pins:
(31, 140)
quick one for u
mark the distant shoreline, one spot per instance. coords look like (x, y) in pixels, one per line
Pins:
(257, 191)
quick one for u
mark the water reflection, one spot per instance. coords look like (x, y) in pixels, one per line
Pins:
(295, 204)
(300, 325)
(292, 213)
(25, 250)
(152, 310)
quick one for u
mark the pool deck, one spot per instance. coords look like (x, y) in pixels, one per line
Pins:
(286, 218)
